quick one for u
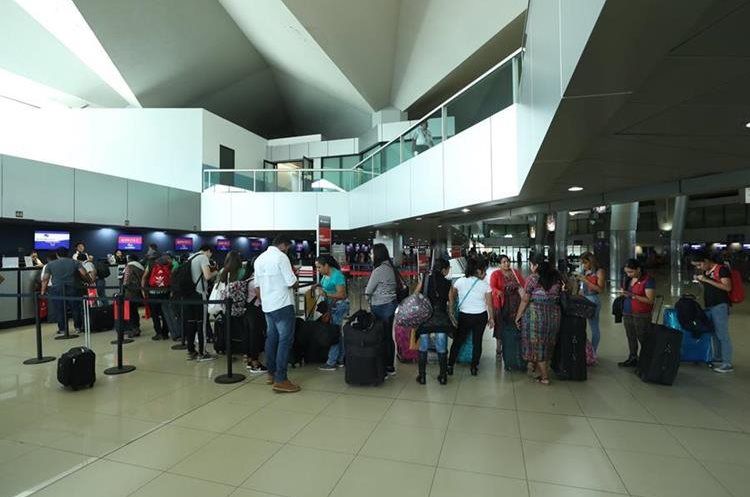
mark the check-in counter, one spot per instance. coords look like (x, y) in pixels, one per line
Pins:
(9, 306)
(30, 281)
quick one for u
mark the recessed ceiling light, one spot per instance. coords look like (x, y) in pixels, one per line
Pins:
(747, 125)
(465, 210)
(419, 219)
(440, 225)
(575, 189)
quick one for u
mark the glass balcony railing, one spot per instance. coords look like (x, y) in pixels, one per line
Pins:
(492, 92)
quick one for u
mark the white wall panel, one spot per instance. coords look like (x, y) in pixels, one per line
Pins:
(249, 148)
(41, 191)
(252, 211)
(216, 211)
(295, 211)
(299, 150)
(468, 167)
(335, 205)
(318, 149)
(378, 199)
(359, 206)
(342, 147)
(504, 154)
(280, 152)
(148, 205)
(427, 181)
(398, 190)
(100, 199)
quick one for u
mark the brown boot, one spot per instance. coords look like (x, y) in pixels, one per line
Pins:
(286, 386)
(270, 380)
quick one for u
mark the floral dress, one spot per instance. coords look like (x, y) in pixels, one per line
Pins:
(541, 321)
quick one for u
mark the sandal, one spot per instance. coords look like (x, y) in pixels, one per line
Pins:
(543, 381)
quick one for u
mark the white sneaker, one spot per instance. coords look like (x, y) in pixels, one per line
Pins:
(724, 368)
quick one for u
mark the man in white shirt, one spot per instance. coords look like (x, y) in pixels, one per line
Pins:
(275, 283)
(422, 139)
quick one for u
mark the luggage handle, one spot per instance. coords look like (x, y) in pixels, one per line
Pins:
(87, 323)
(660, 299)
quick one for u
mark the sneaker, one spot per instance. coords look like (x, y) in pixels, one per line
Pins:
(631, 362)
(60, 333)
(156, 338)
(328, 367)
(339, 364)
(391, 371)
(257, 369)
(286, 386)
(206, 357)
(192, 356)
(724, 368)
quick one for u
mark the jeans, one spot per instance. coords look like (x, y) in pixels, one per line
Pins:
(722, 343)
(441, 342)
(385, 313)
(171, 319)
(60, 307)
(157, 313)
(280, 324)
(339, 310)
(469, 325)
(596, 332)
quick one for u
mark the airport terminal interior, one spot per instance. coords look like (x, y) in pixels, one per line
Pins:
(393, 248)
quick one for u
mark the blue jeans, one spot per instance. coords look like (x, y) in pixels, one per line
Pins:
(60, 307)
(441, 342)
(339, 310)
(385, 313)
(722, 344)
(596, 332)
(280, 324)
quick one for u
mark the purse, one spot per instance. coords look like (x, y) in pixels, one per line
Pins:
(219, 292)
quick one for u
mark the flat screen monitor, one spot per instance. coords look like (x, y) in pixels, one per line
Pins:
(51, 240)
(183, 244)
(129, 242)
(258, 245)
(223, 245)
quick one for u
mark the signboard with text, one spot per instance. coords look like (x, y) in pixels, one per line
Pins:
(324, 235)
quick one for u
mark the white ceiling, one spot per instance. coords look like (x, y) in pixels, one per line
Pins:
(276, 67)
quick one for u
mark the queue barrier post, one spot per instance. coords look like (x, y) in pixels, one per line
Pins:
(119, 311)
(229, 377)
(40, 358)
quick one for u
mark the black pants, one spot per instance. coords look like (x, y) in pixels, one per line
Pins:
(192, 320)
(255, 336)
(636, 327)
(135, 317)
(469, 325)
(157, 313)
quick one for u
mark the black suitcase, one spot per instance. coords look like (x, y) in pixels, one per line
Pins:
(76, 368)
(364, 352)
(318, 339)
(102, 318)
(660, 355)
(220, 340)
(569, 358)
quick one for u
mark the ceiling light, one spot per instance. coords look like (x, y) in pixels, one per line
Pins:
(440, 225)
(747, 125)
(575, 189)
(465, 210)
(508, 235)
(419, 219)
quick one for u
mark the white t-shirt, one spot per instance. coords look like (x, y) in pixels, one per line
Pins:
(275, 278)
(197, 263)
(472, 299)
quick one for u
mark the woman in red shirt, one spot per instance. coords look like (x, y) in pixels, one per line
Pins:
(640, 291)
(507, 284)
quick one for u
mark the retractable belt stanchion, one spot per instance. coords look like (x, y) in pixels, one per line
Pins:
(39, 359)
(182, 345)
(229, 377)
(119, 313)
(67, 335)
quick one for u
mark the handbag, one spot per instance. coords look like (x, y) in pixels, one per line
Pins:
(457, 310)
(402, 290)
(219, 292)
(413, 311)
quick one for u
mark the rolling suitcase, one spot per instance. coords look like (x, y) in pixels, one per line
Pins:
(511, 338)
(76, 368)
(569, 358)
(695, 348)
(319, 337)
(364, 350)
(404, 352)
(660, 355)
(102, 318)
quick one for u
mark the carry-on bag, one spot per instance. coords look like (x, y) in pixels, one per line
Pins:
(102, 318)
(76, 368)
(364, 350)
(511, 340)
(694, 348)
(569, 357)
(406, 351)
(659, 360)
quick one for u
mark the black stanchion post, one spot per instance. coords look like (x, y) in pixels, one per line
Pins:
(39, 359)
(119, 368)
(68, 335)
(229, 377)
(182, 345)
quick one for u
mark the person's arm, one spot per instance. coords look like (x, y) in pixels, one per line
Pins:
(372, 283)
(522, 307)
(452, 295)
(45, 282)
(144, 281)
(490, 309)
(648, 298)
(84, 274)
(597, 287)
(724, 283)
(208, 274)
(420, 281)
(286, 271)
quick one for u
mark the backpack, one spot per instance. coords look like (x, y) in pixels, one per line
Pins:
(692, 317)
(182, 279)
(737, 293)
(102, 269)
(133, 280)
(160, 276)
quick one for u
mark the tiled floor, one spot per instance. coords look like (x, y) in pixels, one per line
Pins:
(168, 430)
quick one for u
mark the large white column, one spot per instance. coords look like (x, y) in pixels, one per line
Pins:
(622, 229)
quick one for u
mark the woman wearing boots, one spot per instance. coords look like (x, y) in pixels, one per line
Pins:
(474, 304)
(436, 287)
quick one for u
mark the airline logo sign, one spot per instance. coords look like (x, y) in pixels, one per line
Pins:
(324, 235)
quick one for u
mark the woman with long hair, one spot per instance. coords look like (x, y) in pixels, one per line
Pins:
(507, 286)
(437, 289)
(538, 317)
(592, 286)
(639, 290)
(232, 275)
(255, 322)
(471, 296)
(381, 292)
(333, 288)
